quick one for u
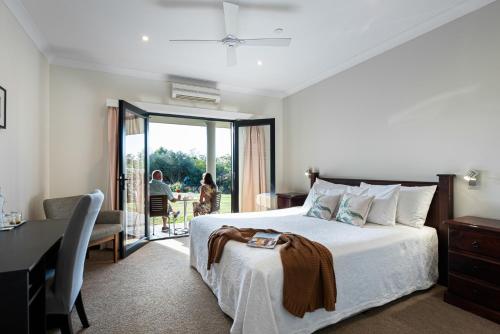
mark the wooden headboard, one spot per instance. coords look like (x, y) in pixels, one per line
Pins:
(440, 211)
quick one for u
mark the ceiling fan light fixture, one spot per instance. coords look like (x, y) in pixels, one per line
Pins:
(145, 38)
(231, 41)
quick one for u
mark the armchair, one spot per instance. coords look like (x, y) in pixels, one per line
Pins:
(108, 224)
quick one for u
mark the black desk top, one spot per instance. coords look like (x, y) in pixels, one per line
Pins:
(22, 247)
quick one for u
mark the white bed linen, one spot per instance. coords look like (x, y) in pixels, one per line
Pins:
(373, 265)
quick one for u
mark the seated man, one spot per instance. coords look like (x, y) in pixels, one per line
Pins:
(158, 187)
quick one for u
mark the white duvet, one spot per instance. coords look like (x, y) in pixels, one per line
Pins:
(373, 265)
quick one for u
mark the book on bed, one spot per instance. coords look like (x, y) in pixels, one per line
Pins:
(264, 240)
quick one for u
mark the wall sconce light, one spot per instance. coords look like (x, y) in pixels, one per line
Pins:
(312, 174)
(471, 176)
(310, 171)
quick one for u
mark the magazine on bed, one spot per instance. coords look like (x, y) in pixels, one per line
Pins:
(264, 240)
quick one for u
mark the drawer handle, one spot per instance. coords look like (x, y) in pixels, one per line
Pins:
(475, 244)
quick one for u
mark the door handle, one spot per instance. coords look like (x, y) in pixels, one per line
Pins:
(121, 181)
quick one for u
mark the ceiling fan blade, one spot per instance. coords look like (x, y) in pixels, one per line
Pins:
(195, 41)
(231, 56)
(231, 18)
(266, 42)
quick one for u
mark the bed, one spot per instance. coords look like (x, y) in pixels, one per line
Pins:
(373, 265)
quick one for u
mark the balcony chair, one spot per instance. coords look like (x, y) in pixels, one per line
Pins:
(158, 207)
(215, 208)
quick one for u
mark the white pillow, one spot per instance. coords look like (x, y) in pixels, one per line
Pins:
(385, 203)
(321, 187)
(356, 190)
(413, 205)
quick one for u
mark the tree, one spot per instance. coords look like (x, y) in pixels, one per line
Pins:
(223, 168)
(184, 171)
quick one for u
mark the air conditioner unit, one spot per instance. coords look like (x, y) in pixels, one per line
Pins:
(195, 93)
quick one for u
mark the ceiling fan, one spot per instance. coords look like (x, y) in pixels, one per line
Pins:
(231, 41)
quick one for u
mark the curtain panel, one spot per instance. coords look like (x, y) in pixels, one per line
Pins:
(112, 189)
(254, 168)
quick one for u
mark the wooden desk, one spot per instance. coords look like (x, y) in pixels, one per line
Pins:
(24, 252)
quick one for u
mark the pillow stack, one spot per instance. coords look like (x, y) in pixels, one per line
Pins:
(323, 198)
(321, 187)
(377, 204)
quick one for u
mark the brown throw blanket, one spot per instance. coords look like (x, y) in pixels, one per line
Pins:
(308, 276)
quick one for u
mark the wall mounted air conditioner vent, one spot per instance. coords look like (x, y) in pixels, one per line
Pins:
(195, 93)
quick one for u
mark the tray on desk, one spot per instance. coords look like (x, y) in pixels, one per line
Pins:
(11, 227)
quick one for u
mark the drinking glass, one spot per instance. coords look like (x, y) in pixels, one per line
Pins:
(15, 217)
(7, 219)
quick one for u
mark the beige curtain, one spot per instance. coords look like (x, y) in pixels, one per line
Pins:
(254, 168)
(135, 184)
(112, 198)
(133, 124)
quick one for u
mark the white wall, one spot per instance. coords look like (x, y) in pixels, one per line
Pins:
(24, 72)
(78, 156)
(429, 106)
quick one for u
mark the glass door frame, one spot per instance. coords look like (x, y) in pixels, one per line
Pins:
(237, 124)
(123, 108)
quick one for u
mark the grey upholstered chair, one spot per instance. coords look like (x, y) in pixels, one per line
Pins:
(108, 226)
(64, 292)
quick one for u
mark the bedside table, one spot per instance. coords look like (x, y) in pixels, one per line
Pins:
(288, 200)
(474, 266)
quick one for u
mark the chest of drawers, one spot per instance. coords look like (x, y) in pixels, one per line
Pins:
(474, 266)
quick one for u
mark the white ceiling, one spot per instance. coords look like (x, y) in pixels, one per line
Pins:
(328, 36)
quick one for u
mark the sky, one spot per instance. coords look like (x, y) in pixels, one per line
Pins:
(187, 138)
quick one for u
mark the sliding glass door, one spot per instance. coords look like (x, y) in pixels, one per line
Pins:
(133, 174)
(253, 165)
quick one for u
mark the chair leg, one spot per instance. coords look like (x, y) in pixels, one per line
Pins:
(81, 311)
(66, 325)
(154, 221)
(60, 321)
(115, 248)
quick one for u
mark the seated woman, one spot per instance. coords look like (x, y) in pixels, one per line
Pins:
(207, 192)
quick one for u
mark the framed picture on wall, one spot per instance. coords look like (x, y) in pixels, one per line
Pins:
(3, 108)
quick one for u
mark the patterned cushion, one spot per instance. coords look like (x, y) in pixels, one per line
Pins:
(323, 206)
(353, 209)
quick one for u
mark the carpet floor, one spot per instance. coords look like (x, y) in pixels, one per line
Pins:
(154, 290)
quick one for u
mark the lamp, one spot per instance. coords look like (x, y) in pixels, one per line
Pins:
(312, 174)
(471, 176)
